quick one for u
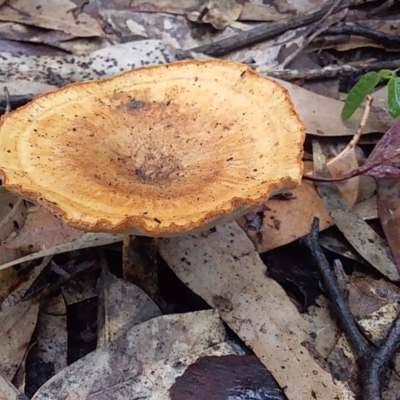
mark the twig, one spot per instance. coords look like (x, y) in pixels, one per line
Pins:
(375, 367)
(264, 32)
(310, 36)
(331, 71)
(353, 142)
(383, 7)
(385, 39)
(341, 308)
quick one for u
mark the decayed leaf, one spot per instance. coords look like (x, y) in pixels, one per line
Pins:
(341, 360)
(389, 214)
(51, 340)
(367, 295)
(74, 68)
(56, 15)
(226, 271)
(218, 13)
(122, 306)
(41, 230)
(361, 236)
(321, 115)
(22, 288)
(87, 240)
(7, 390)
(226, 377)
(145, 362)
(17, 325)
(12, 214)
(324, 327)
(336, 244)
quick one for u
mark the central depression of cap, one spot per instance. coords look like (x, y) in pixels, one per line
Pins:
(158, 150)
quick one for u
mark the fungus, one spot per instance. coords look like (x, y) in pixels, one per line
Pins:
(155, 151)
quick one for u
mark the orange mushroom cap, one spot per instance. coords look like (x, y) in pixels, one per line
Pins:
(156, 151)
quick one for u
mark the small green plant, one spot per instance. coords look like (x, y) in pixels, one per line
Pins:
(364, 86)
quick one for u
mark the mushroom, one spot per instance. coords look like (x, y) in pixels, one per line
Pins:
(155, 151)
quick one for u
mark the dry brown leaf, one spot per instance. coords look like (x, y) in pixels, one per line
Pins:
(287, 220)
(122, 306)
(361, 236)
(145, 362)
(218, 13)
(321, 115)
(87, 240)
(56, 15)
(17, 326)
(226, 271)
(345, 162)
(389, 214)
(41, 230)
(367, 295)
(7, 390)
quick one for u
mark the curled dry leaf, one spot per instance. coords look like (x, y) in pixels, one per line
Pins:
(361, 236)
(143, 363)
(226, 271)
(83, 242)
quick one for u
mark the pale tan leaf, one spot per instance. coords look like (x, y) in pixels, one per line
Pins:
(55, 14)
(89, 239)
(226, 271)
(143, 363)
(321, 115)
(7, 390)
(17, 325)
(343, 163)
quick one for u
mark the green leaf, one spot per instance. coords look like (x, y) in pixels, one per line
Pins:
(386, 74)
(393, 99)
(358, 93)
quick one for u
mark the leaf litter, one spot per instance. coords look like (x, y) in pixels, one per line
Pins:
(300, 349)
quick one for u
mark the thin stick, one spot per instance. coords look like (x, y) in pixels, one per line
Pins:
(331, 71)
(341, 308)
(354, 141)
